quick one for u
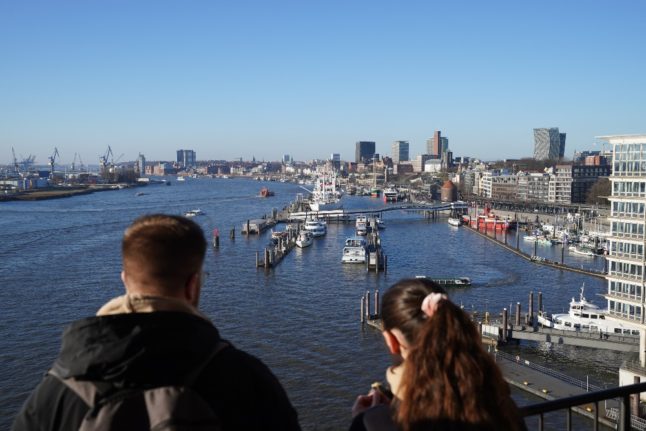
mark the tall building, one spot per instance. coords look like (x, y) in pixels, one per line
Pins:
(186, 158)
(364, 151)
(434, 145)
(626, 258)
(335, 158)
(548, 143)
(141, 165)
(400, 151)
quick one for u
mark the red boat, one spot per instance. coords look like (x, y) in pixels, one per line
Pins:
(489, 221)
(265, 192)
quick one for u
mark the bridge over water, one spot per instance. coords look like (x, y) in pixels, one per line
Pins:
(430, 208)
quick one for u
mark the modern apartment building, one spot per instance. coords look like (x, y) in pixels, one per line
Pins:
(504, 187)
(626, 258)
(548, 143)
(400, 151)
(560, 186)
(186, 158)
(533, 186)
(364, 151)
(584, 177)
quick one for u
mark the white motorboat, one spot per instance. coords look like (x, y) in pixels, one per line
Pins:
(325, 195)
(194, 213)
(581, 251)
(354, 250)
(316, 227)
(361, 225)
(586, 316)
(454, 221)
(380, 223)
(304, 239)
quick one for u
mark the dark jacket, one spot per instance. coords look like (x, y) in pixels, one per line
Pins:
(154, 349)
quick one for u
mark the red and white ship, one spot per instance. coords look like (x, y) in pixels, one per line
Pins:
(489, 221)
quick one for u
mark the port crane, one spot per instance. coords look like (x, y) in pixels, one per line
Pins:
(16, 167)
(52, 162)
(103, 160)
(81, 167)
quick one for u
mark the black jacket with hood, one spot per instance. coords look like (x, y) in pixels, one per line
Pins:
(156, 349)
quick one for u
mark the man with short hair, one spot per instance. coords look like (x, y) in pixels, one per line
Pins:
(154, 336)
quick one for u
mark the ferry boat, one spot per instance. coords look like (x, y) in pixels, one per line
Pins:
(390, 194)
(304, 239)
(194, 213)
(454, 221)
(325, 196)
(586, 316)
(316, 227)
(354, 250)
(448, 281)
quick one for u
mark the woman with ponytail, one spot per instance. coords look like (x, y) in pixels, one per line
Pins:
(445, 379)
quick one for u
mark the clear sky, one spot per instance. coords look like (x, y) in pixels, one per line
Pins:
(263, 78)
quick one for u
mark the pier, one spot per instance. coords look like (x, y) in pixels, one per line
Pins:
(273, 255)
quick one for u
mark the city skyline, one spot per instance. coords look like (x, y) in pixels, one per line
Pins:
(260, 80)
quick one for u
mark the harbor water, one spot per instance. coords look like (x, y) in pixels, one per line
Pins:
(60, 261)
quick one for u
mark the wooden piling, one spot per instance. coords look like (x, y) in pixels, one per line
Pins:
(531, 308)
(540, 301)
(504, 325)
(257, 260)
(363, 313)
(517, 314)
(377, 303)
(368, 304)
(232, 234)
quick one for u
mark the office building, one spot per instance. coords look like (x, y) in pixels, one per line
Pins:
(364, 151)
(335, 158)
(548, 143)
(141, 165)
(186, 158)
(400, 151)
(626, 258)
(434, 145)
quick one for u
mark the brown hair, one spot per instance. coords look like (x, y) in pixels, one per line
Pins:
(449, 382)
(163, 250)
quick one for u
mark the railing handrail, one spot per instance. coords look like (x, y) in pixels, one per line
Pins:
(586, 398)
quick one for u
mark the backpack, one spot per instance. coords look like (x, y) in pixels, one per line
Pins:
(172, 408)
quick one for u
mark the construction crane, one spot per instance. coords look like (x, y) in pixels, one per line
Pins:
(52, 161)
(103, 160)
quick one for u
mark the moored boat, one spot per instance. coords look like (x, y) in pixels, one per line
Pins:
(449, 281)
(265, 192)
(354, 250)
(315, 226)
(586, 316)
(325, 195)
(194, 213)
(304, 239)
(390, 194)
(454, 221)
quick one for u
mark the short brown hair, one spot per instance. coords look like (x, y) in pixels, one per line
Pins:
(163, 250)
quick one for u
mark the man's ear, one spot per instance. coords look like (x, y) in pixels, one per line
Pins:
(192, 288)
(392, 342)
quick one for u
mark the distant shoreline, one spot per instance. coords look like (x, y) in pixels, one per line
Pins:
(54, 193)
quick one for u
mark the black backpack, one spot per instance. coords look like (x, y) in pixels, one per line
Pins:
(172, 408)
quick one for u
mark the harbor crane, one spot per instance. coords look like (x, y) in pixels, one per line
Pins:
(16, 167)
(80, 165)
(52, 161)
(103, 160)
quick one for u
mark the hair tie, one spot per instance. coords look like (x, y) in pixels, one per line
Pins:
(429, 304)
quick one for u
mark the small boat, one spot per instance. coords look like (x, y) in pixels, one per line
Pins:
(304, 239)
(380, 223)
(279, 234)
(581, 251)
(454, 221)
(586, 316)
(181, 179)
(354, 250)
(194, 213)
(140, 194)
(265, 192)
(390, 194)
(449, 281)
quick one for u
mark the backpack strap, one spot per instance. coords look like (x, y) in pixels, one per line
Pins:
(89, 390)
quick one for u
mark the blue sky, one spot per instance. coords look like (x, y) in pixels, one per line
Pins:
(309, 78)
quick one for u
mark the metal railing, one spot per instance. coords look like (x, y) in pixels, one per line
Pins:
(557, 375)
(582, 404)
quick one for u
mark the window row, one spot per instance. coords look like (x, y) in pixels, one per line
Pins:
(627, 311)
(629, 188)
(633, 250)
(633, 208)
(620, 288)
(627, 228)
(626, 269)
(634, 168)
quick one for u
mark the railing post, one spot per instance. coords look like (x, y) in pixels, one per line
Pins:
(623, 421)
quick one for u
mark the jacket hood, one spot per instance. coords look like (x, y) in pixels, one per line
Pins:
(135, 348)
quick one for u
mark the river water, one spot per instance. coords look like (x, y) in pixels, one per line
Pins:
(60, 261)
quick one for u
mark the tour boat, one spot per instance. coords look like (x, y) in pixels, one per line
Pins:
(454, 221)
(361, 225)
(390, 194)
(449, 281)
(586, 316)
(316, 227)
(354, 250)
(304, 239)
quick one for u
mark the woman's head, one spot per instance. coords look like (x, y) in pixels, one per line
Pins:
(401, 305)
(448, 378)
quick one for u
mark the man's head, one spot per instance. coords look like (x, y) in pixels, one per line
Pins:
(163, 255)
